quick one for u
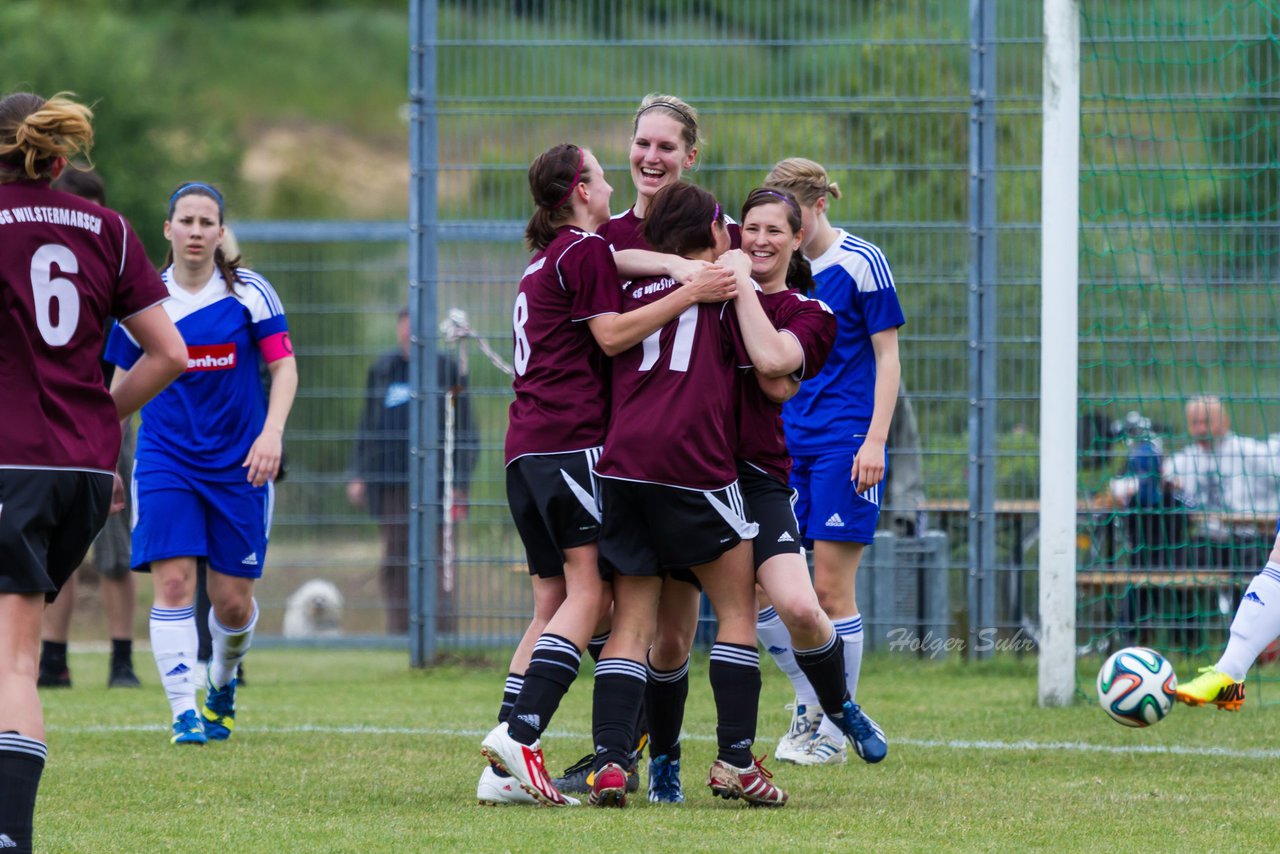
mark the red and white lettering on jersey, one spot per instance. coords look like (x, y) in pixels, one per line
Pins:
(211, 357)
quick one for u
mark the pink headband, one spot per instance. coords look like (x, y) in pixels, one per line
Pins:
(582, 156)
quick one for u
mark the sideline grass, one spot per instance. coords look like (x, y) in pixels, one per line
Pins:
(353, 751)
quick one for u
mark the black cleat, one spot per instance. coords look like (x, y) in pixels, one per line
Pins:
(122, 676)
(54, 679)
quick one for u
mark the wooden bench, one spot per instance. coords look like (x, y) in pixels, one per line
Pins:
(1199, 579)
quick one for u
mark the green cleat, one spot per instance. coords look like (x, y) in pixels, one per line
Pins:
(1212, 686)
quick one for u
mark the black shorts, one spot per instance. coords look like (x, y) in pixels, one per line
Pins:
(554, 500)
(650, 529)
(771, 505)
(48, 519)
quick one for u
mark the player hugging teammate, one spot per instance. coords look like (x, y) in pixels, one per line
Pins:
(666, 494)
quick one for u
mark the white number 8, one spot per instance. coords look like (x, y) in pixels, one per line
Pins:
(519, 317)
(45, 288)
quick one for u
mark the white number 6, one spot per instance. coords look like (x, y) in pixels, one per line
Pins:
(45, 288)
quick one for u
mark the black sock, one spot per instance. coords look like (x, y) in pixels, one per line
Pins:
(824, 668)
(552, 669)
(664, 700)
(122, 651)
(735, 683)
(619, 690)
(53, 656)
(596, 646)
(515, 681)
(21, 763)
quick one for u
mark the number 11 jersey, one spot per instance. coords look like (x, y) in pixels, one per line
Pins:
(672, 421)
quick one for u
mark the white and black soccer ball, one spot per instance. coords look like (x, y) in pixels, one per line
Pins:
(1136, 686)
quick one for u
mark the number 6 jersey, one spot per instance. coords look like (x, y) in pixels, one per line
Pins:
(66, 266)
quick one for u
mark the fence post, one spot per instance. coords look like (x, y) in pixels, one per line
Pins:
(424, 477)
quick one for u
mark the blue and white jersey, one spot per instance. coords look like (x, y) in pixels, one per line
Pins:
(207, 419)
(853, 278)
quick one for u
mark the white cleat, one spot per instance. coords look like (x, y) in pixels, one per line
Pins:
(804, 726)
(525, 765)
(493, 790)
(824, 750)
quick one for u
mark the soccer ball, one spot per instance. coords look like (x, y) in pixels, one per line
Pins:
(1136, 686)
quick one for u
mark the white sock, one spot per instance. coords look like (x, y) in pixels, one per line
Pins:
(174, 643)
(229, 648)
(850, 631)
(1256, 624)
(777, 642)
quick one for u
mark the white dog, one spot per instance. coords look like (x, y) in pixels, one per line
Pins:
(314, 611)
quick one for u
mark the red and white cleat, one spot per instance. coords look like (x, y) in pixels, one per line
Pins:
(752, 784)
(525, 765)
(609, 787)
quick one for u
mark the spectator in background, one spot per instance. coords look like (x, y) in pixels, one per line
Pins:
(1222, 473)
(379, 480)
(110, 549)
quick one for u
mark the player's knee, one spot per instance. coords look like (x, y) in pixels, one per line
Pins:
(175, 592)
(802, 615)
(670, 648)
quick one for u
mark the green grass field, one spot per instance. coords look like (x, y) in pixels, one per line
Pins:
(354, 751)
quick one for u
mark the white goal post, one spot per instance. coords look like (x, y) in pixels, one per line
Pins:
(1059, 347)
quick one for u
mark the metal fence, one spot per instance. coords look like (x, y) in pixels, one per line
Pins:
(927, 114)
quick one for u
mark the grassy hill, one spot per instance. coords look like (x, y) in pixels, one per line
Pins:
(295, 114)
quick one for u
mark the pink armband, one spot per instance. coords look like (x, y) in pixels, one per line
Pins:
(276, 347)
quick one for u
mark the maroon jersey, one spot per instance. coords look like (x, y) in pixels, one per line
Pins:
(626, 231)
(761, 441)
(66, 266)
(561, 384)
(673, 397)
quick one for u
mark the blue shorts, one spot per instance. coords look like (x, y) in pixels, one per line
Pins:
(826, 506)
(178, 515)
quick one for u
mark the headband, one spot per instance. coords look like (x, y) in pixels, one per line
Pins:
(715, 217)
(786, 199)
(582, 156)
(673, 107)
(195, 185)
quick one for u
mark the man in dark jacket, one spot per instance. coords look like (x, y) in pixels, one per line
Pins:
(380, 467)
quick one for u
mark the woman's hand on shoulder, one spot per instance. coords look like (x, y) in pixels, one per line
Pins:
(737, 261)
(713, 283)
(684, 270)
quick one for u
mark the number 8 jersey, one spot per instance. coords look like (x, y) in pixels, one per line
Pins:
(66, 265)
(561, 382)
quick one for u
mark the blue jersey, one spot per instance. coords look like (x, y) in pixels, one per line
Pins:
(852, 278)
(206, 420)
